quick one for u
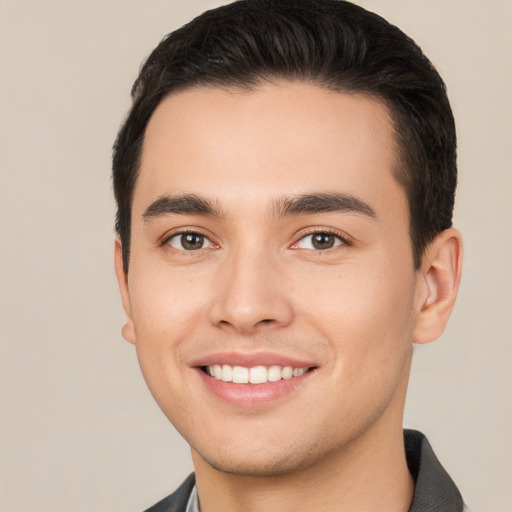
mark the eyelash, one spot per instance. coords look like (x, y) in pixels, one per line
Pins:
(184, 232)
(342, 239)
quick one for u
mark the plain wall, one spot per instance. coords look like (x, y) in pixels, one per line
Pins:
(79, 430)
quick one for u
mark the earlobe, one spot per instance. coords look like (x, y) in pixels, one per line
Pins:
(440, 272)
(128, 329)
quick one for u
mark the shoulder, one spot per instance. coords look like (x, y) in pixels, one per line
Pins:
(177, 501)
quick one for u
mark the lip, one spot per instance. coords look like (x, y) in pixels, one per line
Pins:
(252, 395)
(249, 359)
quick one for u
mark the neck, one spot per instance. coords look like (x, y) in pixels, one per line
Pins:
(363, 476)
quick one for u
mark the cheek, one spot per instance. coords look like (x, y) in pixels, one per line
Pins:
(165, 314)
(368, 323)
(166, 304)
(364, 313)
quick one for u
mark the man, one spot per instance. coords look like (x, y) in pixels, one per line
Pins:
(285, 183)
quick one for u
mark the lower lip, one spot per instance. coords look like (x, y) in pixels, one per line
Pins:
(252, 395)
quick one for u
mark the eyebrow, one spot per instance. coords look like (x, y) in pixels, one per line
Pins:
(323, 202)
(187, 204)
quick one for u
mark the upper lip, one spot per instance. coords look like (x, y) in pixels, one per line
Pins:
(250, 359)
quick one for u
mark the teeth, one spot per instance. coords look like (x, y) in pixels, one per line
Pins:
(227, 373)
(240, 375)
(217, 371)
(274, 373)
(253, 375)
(287, 372)
(258, 375)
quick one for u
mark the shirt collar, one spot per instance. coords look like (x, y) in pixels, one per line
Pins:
(193, 501)
(434, 489)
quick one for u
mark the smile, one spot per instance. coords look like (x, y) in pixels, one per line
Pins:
(254, 374)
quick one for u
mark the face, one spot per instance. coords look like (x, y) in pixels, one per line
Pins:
(271, 293)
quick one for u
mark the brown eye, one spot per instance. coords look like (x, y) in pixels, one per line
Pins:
(319, 241)
(189, 241)
(322, 241)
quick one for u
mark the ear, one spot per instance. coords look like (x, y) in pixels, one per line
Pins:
(122, 279)
(439, 281)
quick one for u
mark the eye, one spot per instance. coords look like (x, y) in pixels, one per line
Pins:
(190, 241)
(319, 241)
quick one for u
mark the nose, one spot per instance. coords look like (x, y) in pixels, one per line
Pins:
(252, 295)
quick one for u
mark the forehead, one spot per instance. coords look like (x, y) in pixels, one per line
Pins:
(290, 138)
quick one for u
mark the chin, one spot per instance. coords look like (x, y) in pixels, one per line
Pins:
(263, 463)
(268, 468)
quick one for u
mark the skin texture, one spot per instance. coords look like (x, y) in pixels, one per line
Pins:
(258, 285)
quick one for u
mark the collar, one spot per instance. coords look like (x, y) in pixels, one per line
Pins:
(434, 489)
(193, 501)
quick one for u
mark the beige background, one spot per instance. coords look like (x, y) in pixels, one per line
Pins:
(79, 430)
